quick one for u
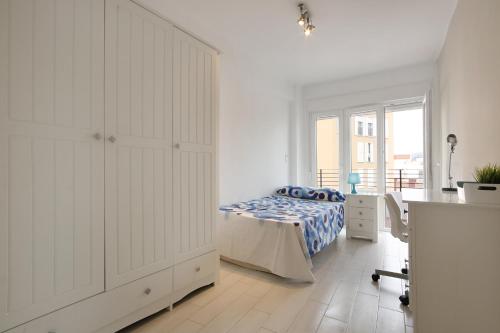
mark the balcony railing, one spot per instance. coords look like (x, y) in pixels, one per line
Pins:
(395, 179)
(328, 178)
(398, 179)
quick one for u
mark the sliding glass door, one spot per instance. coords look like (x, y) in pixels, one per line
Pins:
(364, 149)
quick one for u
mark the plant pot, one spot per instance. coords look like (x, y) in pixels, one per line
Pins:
(471, 192)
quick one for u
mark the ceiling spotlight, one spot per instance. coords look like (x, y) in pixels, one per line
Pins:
(305, 20)
(309, 27)
(303, 15)
(302, 20)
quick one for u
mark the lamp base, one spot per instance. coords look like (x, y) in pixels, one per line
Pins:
(353, 189)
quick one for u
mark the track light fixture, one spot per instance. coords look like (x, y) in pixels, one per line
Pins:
(303, 15)
(305, 20)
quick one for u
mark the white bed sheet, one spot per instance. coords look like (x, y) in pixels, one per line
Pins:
(277, 247)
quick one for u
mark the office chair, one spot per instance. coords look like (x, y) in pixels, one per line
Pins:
(399, 229)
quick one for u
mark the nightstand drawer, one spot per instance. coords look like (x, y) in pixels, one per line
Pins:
(365, 226)
(363, 201)
(361, 213)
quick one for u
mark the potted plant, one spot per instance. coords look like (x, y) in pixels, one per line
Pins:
(486, 189)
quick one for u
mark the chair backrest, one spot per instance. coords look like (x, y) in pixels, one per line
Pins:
(394, 202)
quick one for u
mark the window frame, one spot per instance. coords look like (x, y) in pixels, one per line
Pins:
(344, 116)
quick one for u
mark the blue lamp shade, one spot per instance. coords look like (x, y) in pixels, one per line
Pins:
(353, 179)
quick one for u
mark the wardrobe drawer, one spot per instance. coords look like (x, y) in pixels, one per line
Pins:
(365, 226)
(361, 213)
(194, 269)
(96, 312)
(145, 290)
(363, 201)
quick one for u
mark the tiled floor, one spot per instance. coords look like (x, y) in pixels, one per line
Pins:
(344, 299)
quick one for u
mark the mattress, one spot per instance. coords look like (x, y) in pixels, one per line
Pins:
(279, 233)
(320, 221)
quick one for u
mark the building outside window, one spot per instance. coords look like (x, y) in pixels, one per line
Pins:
(360, 128)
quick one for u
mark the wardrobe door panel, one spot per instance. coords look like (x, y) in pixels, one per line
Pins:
(194, 152)
(51, 162)
(139, 143)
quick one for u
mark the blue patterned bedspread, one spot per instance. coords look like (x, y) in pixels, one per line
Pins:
(320, 221)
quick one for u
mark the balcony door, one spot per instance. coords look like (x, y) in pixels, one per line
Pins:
(364, 149)
(328, 153)
(404, 147)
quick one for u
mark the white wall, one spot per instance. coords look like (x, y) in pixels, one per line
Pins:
(253, 131)
(377, 88)
(470, 85)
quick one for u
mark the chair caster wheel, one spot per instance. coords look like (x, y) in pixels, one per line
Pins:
(405, 300)
(375, 277)
(404, 270)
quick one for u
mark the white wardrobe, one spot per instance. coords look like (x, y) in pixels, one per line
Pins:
(107, 164)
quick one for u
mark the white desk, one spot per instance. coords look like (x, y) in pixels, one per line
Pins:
(454, 263)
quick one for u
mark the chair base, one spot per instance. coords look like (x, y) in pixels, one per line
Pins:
(381, 272)
(404, 299)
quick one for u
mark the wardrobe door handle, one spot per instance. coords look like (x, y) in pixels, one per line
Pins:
(177, 145)
(198, 269)
(112, 139)
(97, 136)
(147, 291)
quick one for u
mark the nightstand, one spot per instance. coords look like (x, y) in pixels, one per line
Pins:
(364, 214)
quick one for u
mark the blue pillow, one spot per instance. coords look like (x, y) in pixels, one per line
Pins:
(302, 192)
(298, 192)
(327, 194)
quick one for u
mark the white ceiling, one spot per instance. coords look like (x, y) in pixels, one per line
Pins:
(353, 37)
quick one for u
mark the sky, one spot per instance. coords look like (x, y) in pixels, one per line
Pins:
(408, 132)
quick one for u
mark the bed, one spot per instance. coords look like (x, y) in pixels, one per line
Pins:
(280, 233)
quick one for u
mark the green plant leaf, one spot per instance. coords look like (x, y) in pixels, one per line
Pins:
(489, 174)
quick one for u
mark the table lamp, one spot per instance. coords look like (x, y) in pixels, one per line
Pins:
(353, 180)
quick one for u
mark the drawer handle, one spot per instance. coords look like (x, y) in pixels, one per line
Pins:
(147, 291)
(197, 269)
(361, 225)
(360, 201)
(360, 213)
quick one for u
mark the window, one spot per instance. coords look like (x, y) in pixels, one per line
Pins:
(363, 148)
(370, 129)
(404, 147)
(328, 152)
(352, 141)
(360, 128)
(364, 152)
(361, 152)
